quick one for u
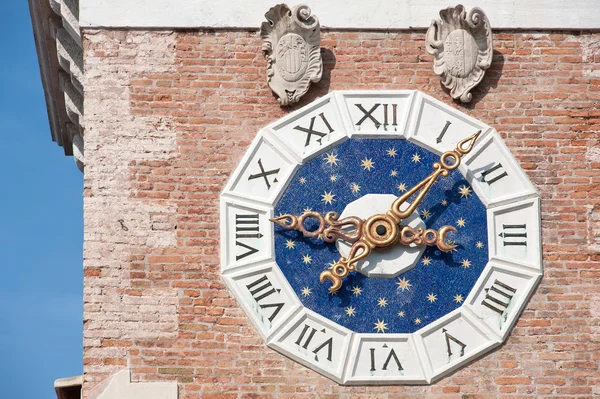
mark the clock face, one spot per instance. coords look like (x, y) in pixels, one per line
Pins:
(410, 313)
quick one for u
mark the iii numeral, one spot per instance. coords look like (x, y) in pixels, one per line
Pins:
(264, 174)
(246, 226)
(386, 116)
(456, 341)
(498, 297)
(328, 343)
(261, 289)
(391, 356)
(490, 177)
(310, 130)
(516, 231)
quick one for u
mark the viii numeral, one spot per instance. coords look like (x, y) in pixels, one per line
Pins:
(391, 356)
(265, 174)
(261, 289)
(456, 341)
(386, 116)
(490, 177)
(498, 297)
(515, 232)
(246, 226)
(327, 343)
(310, 130)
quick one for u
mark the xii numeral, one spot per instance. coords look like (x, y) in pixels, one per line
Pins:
(326, 344)
(391, 356)
(310, 131)
(386, 115)
(513, 235)
(261, 289)
(246, 226)
(498, 297)
(492, 175)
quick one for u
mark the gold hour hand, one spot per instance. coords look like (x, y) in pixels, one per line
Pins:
(360, 250)
(330, 228)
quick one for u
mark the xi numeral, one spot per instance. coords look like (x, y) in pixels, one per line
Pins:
(326, 344)
(498, 297)
(490, 176)
(262, 288)
(513, 235)
(265, 174)
(449, 339)
(386, 117)
(246, 226)
(310, 131)
(391, 356)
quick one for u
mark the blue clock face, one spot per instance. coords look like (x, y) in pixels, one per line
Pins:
(437, 284)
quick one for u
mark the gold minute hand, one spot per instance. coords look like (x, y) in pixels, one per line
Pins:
(443, 168)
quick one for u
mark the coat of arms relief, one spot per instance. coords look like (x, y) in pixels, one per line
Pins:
(461, 43)
(291, 45)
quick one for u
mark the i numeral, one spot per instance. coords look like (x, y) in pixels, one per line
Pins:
(246, 226)
(310, 130)
(385, 109)
(490, 177)
(441, 136)
(456, 341)
(498, 296)
(326, 344)
(265, 174)
(391, 356)
(516, 231)
(261, 289)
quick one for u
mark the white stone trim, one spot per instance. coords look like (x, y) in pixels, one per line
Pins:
(119, 386)
(336, 14)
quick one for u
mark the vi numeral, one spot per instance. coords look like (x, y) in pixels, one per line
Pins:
(493, 174)
(307, 335)
(265, 174)
(261, 290)
(246, 227)
(310, 130)
(514, 235)
(498, 297)
(390, 357)
(389, 112)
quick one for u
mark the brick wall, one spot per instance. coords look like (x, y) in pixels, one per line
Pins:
(170, 114)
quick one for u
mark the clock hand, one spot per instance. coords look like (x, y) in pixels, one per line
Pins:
(330, 228)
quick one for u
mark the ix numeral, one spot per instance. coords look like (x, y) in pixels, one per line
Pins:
(513, 236)
(498, 297)
(310, 131)
(262, 288)
(391, 355)
(246, 226)
(369, 115)
(264, 174)
(456, 341)
(328, 343)
(492, 179)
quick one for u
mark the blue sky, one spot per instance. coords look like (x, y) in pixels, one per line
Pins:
(41, 228)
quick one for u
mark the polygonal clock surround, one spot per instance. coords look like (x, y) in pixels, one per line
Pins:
(489, 312)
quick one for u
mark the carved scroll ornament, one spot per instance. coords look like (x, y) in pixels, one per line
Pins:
(461, 43)
(291, 45)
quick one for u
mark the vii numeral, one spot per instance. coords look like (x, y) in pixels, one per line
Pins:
(328, 343)
(498, 297)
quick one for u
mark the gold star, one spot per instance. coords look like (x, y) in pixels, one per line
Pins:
(461, 222)
(401, 313)
(350, 311)
(367, 164)
(306, 291)
(327, 197)
(290, 244)
(403, 284)
(426, 261)
(479, 244)
(466, 263)
(391, 152)
(307, 209)
(306, 259)
(431, 298)
(331, 159)
(355, 188)
(458, 298)
(454, 249)
(382, 302)
(302, 180)
(356, 290)
(425, 214)
(416, 158)
(394, 173)
(333, 178)
(401, 187)
(464, 191)
(444, 202)
(380, 326)
(417, 321)
(330, 265)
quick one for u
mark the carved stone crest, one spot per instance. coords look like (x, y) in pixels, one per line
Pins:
(291, 45)
(462, 46)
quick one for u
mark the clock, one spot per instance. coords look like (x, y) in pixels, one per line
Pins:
(380, 237)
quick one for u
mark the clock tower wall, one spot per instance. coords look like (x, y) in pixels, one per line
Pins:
(169, 115)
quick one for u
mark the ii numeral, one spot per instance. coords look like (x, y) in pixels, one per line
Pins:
(515, 232)
(376, 122)
(310, 130)
(326, 344)
(262, 288)
(490, 177)
(246, 226)
(391, 356)
(265, 174)
(498, 297)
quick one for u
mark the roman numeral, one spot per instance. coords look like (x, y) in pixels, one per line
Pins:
(385, 109)
(441, 136)
(456, 341)
(327, 343)
(264, 174)
(391, 355)
(484, 175)
(262, 288)
(246, 225)
(310, 130)
(498, 297)
(251, 250)
(514, 235)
